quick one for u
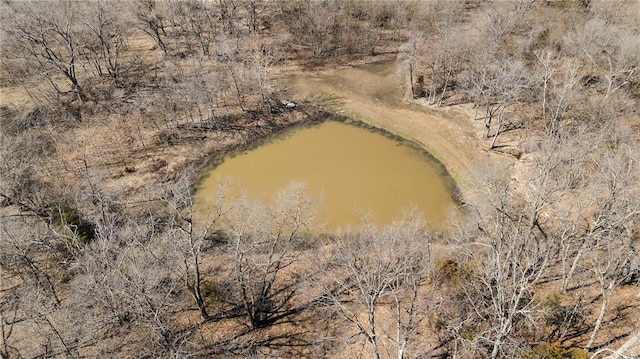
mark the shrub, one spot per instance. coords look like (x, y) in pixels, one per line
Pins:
(72, 224)
(554, 350)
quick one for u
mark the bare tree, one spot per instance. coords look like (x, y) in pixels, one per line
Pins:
(560, 88)
(20, 185)
(194, 20)
(521, 233)
(262, 60)
(254, 10)
(57, 329)
(24, 241)
(612, 211)
(37, 271)
(130, 275)
(507, 86)
(325, 29)
(408, 52)
(618, 212)
(9, 320)
(479, 73)
(229, 16)
(263, 241)
(444, 56)
(510, 255)
(612, 53)
(47, 35)
(558, 178)
(371, 267)
(107, 44)
(189, 230)
(621, 352)
(614, 256)
(150, 13)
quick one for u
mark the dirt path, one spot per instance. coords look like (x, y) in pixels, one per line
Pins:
(374, 94)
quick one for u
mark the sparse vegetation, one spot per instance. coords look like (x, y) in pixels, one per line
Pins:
(111, 110)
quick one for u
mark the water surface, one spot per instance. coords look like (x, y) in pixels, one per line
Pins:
(354, 170)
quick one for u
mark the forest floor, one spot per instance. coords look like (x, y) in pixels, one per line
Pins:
(374, 93)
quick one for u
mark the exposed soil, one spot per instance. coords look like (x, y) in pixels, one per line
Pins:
(374, 94)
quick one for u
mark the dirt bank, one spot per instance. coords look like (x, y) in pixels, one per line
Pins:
(375, 94)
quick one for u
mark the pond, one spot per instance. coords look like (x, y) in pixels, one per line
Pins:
(355, 170)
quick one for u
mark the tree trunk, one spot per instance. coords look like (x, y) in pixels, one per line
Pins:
(372, 326)
(444, 88)
(413, 91)
(500, 119)
(196, 291)
(574, 265)
(496, 348)
(629, 344)
(603, 310)
(76, 85)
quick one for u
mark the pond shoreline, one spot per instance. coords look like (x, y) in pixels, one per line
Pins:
(316, 119)
(375, 94)
(353, 167)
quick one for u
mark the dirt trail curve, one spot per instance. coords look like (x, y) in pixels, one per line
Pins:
(374, 94)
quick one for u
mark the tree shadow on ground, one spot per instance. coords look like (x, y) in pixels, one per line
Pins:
(287, 334)
(285, 330)
(251, 342)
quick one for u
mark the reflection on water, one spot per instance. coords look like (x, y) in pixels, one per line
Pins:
(355, 171)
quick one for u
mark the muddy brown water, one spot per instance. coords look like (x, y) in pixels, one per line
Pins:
(354, 170)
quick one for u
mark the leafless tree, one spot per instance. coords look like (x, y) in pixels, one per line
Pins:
(444, 56)
(195, 23)
(327, 29)
(613, 54)
(130, 275)
(229, 16)
(558, 179)
(609, 267)
(107, 47)
(408, 53)
(263, 241)
(616, 216)
(510, 256)
(22, 254)
(254, 10)
(621, 352)
(9, 319)
(612, 211)
(48, 36)
(189, 230)
(150, 13)
(371, 267)
(506, 87)
(560, 88)
(38, 271)
(20, 185)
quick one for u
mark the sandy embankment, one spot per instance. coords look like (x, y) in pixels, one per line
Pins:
(374, 94)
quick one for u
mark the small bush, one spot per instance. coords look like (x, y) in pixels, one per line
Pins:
(72, 224)
(446, 271)
(561, 319)
(453, 271)
(554, 350)
(215, 294)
